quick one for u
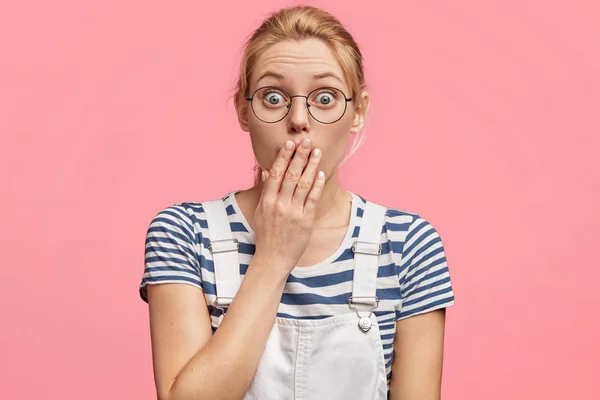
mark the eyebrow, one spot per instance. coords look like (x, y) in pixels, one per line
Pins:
(323, 75)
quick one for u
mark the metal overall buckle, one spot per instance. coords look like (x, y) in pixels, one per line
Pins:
(219, 307)
(364, 323)
(235, 247)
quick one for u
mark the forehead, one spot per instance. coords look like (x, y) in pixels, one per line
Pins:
(298, 62)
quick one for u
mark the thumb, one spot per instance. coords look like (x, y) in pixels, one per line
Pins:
(265, 176)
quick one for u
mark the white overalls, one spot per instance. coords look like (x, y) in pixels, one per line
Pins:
(338, 357)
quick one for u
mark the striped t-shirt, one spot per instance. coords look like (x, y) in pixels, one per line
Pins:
(412, 277)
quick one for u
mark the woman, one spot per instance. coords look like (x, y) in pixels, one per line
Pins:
(296, 288)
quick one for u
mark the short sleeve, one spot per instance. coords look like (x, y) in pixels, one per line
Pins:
(171, 254)
(424, 276)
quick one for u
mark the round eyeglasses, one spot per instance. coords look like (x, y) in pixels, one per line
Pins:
(326, 105)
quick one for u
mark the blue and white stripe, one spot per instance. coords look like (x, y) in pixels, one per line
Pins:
(412, 278)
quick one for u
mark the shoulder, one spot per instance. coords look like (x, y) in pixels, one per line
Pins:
(188, 217)
(397, 220)
(405, 228)
(184, 213)
(191, 212)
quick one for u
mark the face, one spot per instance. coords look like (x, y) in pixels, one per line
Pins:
(292, 66)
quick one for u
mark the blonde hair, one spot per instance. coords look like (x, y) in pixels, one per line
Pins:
(304, 22)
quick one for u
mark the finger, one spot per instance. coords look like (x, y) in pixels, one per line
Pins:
(264, 176)
(307, 179)
(294, 171)
(314, 196)
(277, 171)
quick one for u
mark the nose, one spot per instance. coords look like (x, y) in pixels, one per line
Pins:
(298, 118)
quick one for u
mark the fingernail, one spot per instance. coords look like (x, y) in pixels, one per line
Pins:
(316, 153)
(288, 145)
(321, 175)
(306, 143)
(262, 176)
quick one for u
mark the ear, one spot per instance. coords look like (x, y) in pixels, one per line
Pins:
(242, 108)
(360, 114)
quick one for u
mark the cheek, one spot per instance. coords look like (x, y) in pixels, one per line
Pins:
(264, 145)
(334, 148)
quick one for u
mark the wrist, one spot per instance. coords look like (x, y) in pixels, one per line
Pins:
(271, 268)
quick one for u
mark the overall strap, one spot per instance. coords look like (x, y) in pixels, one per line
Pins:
(224, 249)
(366, 255)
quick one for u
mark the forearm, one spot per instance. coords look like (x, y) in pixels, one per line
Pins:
(225, 366)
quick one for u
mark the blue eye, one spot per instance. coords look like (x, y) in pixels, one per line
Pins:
(325, 98)
(274, 98)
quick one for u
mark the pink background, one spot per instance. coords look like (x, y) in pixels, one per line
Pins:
(484, 120)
